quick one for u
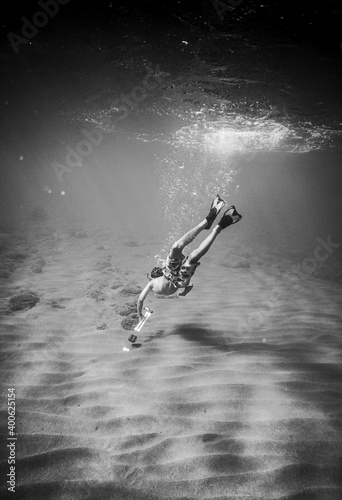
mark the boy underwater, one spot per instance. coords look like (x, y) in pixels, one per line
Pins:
(177, 269)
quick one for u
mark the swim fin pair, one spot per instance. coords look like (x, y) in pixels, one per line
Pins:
(230, 216)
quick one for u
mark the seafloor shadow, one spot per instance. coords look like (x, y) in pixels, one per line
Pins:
(193, 332)
(221, 340)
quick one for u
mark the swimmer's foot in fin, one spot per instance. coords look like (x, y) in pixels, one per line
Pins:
(231, 216)
(216, 206)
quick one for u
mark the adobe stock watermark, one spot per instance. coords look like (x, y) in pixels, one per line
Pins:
(221, 7)
(94, 137)
(324, 249)
(310, 265)
(40, 19)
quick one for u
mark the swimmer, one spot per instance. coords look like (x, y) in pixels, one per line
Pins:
(177, 269)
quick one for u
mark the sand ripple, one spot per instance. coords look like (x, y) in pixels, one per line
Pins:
(229, 397)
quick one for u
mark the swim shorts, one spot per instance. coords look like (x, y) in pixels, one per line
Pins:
(179, 271)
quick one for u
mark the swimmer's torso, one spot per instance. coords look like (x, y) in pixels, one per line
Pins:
(163, 286)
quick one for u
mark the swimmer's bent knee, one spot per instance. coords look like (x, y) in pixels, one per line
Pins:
(176, 251)
(176, 246)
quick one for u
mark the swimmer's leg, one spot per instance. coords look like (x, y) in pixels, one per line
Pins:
(197, 254)
(216, 205)
(231, 216)
(177, 247)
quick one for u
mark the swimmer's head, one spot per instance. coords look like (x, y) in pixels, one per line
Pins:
(155, 273)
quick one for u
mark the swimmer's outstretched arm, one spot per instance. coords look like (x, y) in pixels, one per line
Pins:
(142, 297)
(187, 289)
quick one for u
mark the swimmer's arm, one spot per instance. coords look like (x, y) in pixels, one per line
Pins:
(187, 289)
(142, 297)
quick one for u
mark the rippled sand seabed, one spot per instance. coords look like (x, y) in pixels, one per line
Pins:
(233, 392)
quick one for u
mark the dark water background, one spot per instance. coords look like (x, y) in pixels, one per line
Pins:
(249, 105)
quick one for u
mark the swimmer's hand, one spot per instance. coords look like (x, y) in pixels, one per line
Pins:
(187, 289)
(141, 314)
